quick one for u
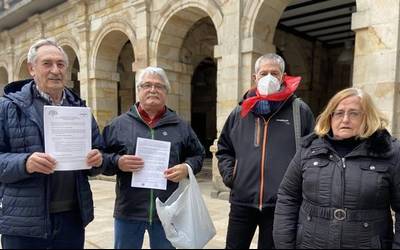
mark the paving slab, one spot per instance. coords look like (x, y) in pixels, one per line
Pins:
(100, 233)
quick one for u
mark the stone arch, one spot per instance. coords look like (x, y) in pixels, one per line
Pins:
(22, 68)
(253, 23)
(199, 9)
(112, 80)
(73, 67)
(121, 28)
(3, 77)
(69, 41)
(169, 54)
(185, 49)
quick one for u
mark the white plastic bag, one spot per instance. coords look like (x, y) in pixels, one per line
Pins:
(184, 216)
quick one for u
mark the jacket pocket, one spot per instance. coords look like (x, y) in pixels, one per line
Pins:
(234, 170)
(257, 132)
(312, 171)
(316, 163)
(376, 181)
(377, 173)
(233, 174)
(373, 167)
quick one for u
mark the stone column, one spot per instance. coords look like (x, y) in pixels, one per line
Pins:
(143, 30)
(229, 61)
(220, 190)
(142, 39)
(104, 87)
(229, 87)
(376, 56)
(83, 29)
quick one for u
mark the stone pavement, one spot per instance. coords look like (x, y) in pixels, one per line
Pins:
(100, 233)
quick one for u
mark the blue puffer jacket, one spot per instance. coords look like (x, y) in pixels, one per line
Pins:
(24, 205)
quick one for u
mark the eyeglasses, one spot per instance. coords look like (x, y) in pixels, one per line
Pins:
(157, 86)
(351, 114)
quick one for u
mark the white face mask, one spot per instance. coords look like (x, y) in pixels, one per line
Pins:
(268, 85)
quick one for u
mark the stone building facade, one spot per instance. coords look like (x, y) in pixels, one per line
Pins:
(208, 48)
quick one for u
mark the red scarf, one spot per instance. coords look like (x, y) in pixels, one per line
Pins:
(290, 82)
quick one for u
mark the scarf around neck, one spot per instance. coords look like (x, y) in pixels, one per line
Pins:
(290, 85)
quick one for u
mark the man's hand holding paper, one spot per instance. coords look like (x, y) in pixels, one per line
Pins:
(130, 163)
(94, 158)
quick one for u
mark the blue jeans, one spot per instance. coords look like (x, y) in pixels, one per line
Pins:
(129, 234)
(67, 232)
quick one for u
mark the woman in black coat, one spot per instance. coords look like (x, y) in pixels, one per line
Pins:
(341, 185)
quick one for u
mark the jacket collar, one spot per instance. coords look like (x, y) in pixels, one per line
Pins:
(21, 93)
(378, 144)
(169, 117)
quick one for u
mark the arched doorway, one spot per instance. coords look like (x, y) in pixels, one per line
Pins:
(3, 79)
(73, 70)
(198, 48)
(187, 55)
(23, 71)
(113, 76)
(204, 96)
(126, 84)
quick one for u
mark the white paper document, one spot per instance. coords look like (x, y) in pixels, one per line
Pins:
(155, 155)
(68, 136)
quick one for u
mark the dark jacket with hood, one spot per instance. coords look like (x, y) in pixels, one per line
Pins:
(120, 137)
(329, 202)
(25, 198)
(254, 152)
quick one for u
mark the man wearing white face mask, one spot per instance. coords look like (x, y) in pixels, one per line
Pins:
(255, 147)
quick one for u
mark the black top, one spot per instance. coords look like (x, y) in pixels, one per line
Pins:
(345, 146)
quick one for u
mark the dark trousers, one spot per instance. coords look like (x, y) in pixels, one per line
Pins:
(243, 222)
(67, 232)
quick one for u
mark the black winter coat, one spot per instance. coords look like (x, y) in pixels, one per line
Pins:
(326, 201)
(254, 152)
(25, 198)
(120, 137)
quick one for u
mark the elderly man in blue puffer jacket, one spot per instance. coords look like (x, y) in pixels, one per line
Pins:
(40, 207)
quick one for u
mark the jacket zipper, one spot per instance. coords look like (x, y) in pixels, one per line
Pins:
(257, 132)
(263, 156)
(47, 207)
(343, 183)
(151, 208)
(263, 165)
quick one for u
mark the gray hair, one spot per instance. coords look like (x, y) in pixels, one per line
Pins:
(154, 71)
(270, 57)
(32, 54)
